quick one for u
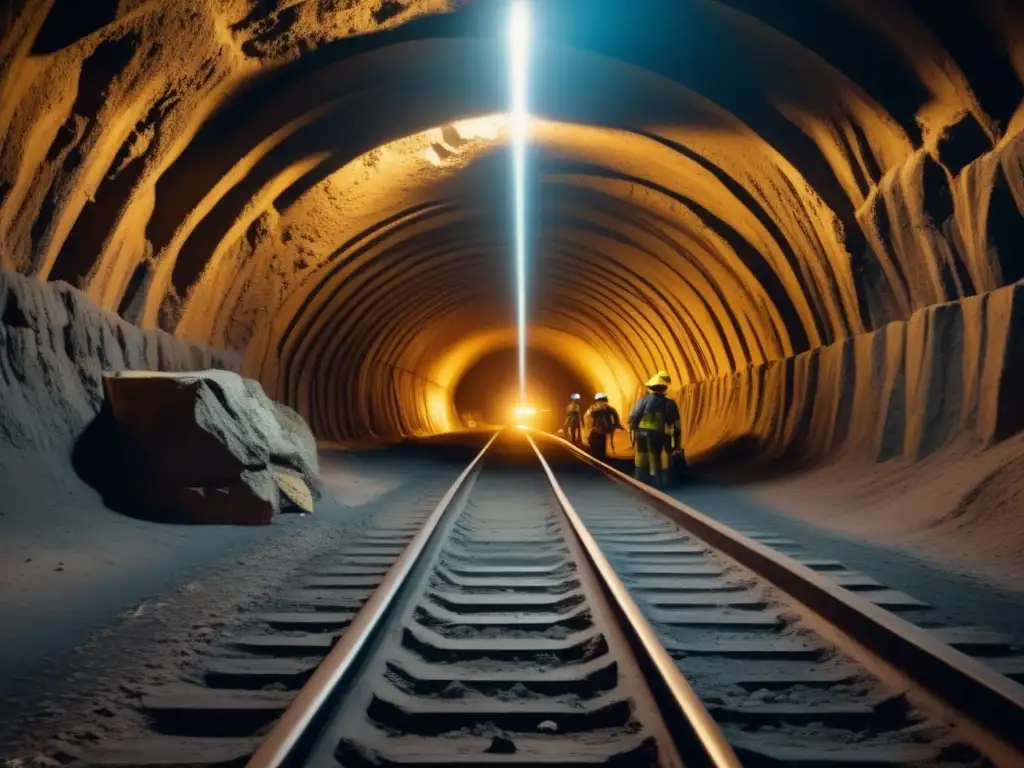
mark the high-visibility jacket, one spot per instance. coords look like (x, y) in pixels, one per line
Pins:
(657, 413)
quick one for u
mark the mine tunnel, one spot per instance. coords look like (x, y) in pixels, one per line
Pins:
(261, 291)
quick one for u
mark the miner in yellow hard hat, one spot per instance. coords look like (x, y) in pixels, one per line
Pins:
(655, 426)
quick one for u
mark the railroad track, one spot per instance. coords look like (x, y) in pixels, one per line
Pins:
(544, 621)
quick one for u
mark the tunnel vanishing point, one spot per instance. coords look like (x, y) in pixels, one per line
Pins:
(809, 212)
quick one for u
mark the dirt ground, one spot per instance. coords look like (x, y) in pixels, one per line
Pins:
(960, 509)
(88, 590)
(72, 571)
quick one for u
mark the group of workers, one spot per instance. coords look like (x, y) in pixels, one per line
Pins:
(654, 429)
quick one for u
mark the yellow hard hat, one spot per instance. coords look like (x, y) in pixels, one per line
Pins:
(660, 379)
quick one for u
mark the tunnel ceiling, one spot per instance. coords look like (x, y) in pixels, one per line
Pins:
(714, 184)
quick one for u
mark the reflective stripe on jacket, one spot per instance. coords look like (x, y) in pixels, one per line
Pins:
(656, 413)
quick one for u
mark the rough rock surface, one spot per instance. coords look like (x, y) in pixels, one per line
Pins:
(949, 373)
(208, 446)
(795, 175)
(55, 345)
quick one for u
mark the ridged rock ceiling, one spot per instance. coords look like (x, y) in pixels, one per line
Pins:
(322, 185)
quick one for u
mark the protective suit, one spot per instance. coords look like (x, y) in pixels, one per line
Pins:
(602, 421)
(573, 420)
(655, 426)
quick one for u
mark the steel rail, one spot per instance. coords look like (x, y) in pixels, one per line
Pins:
(279, 744)
(992, 701)
(714, 750)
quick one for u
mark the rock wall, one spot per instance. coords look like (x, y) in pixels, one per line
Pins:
(796, 174)
(55, 344)
(950, 372)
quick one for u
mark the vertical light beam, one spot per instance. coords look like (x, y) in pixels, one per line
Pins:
(519, 56)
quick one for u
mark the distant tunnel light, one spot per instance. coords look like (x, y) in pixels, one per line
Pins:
(519, 56)
(525, 410)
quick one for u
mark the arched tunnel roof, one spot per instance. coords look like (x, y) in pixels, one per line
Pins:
(714, 183)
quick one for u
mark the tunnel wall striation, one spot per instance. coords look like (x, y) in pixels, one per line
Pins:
(950, 373)
(747, 193)
(55, 344)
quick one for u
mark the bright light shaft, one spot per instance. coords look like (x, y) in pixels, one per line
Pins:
(519, 55)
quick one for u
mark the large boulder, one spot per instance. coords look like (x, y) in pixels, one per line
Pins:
(210, 447)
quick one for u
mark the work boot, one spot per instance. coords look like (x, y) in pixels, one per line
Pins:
(665, 478)
(640, 474)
